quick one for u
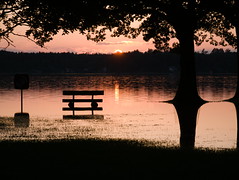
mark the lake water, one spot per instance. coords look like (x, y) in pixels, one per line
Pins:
(132, 109)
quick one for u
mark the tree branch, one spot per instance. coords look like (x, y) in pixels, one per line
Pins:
(9, 43)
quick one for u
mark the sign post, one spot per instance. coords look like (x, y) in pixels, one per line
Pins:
(21, 81)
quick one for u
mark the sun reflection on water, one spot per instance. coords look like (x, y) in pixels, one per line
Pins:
(117, 91)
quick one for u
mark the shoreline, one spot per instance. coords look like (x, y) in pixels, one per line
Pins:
(114, 74)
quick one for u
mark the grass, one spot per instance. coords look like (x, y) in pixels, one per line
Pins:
(6, 121)
(113, 159)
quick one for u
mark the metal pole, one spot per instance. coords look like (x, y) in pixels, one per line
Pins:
(21, 101)
(73, 105)
(92, 111)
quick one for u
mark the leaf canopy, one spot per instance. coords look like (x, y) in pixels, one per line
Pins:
(160, 20)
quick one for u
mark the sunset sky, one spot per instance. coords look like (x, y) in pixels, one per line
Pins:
(78, 43)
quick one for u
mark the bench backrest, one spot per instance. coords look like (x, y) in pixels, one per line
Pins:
(94, 102)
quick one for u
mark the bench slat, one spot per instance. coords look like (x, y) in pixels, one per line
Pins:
(83, 116)
(83, 92)
(82, 100)
(82, 109)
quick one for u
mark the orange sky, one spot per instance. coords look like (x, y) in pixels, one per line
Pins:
(79, 44)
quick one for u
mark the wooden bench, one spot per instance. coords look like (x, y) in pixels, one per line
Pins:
(93, 104)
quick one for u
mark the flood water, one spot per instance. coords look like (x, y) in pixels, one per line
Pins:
(132, 109)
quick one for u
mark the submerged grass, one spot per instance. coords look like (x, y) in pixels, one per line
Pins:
(114, 159)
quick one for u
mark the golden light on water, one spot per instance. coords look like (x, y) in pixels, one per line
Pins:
(117, 91)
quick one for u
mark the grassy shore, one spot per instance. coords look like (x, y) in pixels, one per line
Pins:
(113, 159)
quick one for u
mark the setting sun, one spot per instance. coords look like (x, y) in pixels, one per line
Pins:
(118, 51)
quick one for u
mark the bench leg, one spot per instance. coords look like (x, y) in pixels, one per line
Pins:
(73, 111)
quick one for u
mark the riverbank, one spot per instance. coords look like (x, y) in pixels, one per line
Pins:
(217, 62)
(113, 159)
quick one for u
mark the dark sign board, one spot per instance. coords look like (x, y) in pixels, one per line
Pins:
(21, 81)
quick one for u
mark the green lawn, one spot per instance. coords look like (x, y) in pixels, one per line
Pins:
(113, 159)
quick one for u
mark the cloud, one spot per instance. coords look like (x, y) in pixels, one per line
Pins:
(115, 43)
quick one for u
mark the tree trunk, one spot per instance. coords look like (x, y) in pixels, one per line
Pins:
(237, 113)
(235, 99)
(187, 100)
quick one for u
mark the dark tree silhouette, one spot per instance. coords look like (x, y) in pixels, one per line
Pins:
(45, 18)
(160, 20)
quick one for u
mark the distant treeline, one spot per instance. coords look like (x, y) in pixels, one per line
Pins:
(217, 62)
